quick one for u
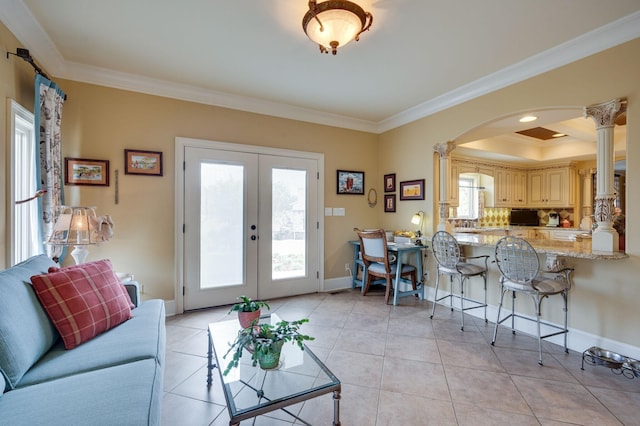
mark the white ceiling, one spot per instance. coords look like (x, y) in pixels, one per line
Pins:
(421, 56)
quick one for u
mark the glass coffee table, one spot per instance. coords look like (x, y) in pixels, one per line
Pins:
(250, 391)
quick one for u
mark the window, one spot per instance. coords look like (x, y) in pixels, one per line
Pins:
(468, 202)
(24, 235)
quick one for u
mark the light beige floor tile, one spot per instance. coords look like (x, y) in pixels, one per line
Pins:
(367, 322)
(469, 355)
(328, 318)
(366, 342)
(413, 348)
(564, 402)
(525, 363)
(401, 409)
(355, 368)
(323, 336)
(417, 378)
(485, 389)
(399, 367)
(179, 410)
(358, 405)
(371, 307)
(179, 367)
(469, 415)
(415, 325)
(624, 405)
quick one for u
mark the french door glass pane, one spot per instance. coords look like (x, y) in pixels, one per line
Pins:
(222, 225)
(288, 224)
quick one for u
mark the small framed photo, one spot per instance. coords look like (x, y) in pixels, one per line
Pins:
(350, 182)
(412, 190)
(83, 171)
(137, 162)
(389, 203)
(390, 182)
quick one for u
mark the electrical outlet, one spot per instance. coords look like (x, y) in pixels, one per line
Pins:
(346, 267)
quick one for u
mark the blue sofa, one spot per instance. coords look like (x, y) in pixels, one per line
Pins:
(112, 379)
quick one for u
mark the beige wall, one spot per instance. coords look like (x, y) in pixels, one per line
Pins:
(100, 123)
(604, 301)
(16, 82)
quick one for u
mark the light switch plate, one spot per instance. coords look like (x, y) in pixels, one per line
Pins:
(338, 211)
(328, 211)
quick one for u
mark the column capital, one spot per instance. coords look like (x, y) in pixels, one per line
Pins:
(444, 148)
(605, 114)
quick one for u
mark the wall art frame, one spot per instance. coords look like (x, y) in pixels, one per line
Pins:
(390, 182)
(349, 182)
(85, 171)
(140, 162)
(412, 190)
(389, 203)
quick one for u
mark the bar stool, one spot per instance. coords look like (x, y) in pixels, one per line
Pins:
(450, 262)
(519, 267)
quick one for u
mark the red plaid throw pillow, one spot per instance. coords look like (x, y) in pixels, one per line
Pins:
(83, 301)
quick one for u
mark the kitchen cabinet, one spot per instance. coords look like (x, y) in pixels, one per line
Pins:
(552, 187)
(510, 188)
(564, 234)
(520, 233)
(540, 234)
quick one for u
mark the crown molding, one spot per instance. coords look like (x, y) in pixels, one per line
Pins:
(598, 40)
(17, 17)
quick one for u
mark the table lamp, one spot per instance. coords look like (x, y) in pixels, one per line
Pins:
(418, 219)
(76, 226)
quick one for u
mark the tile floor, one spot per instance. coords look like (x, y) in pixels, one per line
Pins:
(398, 367)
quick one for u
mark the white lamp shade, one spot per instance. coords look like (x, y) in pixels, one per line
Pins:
(340, 25)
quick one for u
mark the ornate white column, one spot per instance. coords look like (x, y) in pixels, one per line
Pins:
(586, 176)
(605, 238)
(444, 149)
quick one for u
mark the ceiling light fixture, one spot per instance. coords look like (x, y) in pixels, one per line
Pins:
(528, 118)
(335, 23)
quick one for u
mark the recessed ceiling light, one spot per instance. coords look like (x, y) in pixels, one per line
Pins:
(528, 118)
(558, 135)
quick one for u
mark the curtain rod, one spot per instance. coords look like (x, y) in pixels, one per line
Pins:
(24, 54)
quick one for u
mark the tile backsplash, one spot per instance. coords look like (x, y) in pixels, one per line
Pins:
(498, 217)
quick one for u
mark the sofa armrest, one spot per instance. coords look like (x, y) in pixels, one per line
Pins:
(133, 288)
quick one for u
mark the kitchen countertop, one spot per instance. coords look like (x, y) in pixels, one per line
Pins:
(578, 249)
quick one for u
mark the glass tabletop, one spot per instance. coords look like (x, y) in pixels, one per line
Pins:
(251, 391)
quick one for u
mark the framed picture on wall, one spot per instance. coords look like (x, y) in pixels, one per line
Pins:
(82, 171)
(389, 203)
(412, 190)
(350, 182)
(390, 182)
(137, 162)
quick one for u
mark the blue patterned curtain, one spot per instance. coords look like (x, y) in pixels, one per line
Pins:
(48, 119)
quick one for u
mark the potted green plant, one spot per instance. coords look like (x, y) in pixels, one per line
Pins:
(248, 310)
(265, 341)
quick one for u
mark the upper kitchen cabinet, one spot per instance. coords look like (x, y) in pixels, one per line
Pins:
(552, 187)
(510, 187)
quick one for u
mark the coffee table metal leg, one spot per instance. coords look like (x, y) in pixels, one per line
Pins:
(209, 361)
(336, 408)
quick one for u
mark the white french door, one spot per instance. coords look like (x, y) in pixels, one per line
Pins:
(251, 226)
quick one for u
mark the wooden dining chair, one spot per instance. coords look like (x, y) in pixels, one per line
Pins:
(375, 255)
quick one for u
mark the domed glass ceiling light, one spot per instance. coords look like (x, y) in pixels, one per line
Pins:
(335, 23)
